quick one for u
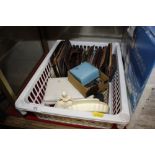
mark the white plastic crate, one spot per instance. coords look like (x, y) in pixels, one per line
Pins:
(31, 97)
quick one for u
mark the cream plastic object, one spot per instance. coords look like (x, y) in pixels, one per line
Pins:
(88, 104)
(64, 101)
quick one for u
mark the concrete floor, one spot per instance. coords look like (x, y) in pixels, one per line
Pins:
(71, 32)
(21, 60)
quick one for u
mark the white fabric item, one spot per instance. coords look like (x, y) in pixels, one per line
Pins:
(55, 87)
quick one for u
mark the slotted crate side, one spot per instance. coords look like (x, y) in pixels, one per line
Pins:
(29, 102)
(38, 92)
(39, 80)
(116, 106)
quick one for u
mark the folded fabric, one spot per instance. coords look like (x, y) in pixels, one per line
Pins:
(55, 87)
(85, 73)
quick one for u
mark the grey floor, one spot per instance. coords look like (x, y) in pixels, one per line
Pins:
(21, 60)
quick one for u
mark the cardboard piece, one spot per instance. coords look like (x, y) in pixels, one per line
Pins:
(85, 91)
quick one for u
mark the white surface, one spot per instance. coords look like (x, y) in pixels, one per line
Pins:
(55, 87)
(123, 117)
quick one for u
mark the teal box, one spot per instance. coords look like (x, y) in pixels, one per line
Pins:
(85, 73)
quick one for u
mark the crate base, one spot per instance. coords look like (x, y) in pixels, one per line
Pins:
(73, 121)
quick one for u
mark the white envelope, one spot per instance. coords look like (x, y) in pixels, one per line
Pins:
(55, 87)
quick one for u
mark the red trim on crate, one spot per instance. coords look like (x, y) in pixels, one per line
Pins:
(31, 116)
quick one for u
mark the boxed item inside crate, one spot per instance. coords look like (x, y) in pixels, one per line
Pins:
(31, 99)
